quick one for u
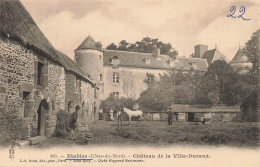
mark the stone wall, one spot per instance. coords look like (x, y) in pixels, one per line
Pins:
(72, 96)
(88, 100)
(84, 98)
(16, 71)
(20, 94)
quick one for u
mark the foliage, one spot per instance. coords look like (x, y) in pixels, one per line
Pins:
(150, 79)
(176, 87)
(221, 84)
(251, 50)
(117, 104)
(250, 80)
(65, 123)
(146, 45)
(12, 129)
(226, 133)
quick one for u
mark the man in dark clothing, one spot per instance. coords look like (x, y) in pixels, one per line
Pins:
(170, 116)
(119, 115)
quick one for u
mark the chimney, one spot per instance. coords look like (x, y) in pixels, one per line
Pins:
(156, 52)
(200, 50)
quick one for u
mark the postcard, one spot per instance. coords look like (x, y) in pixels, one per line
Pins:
(129, 83)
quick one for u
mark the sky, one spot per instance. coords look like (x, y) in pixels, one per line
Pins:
(183, 23)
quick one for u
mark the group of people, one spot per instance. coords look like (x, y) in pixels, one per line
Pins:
(111, 115)
(118, 115)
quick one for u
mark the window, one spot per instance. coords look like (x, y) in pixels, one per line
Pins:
(77, 89)
(116, 94)
(25, 108)
(147, 61)
(70, 107)
(115, 78)
(150, 79)
(39, 75)
(100, 57)
(53, 105)
(101, 77)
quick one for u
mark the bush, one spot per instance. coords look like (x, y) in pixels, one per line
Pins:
(12, 129)
(117, 104)
(65, 123)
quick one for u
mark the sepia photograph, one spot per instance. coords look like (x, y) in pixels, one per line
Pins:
(129, 83)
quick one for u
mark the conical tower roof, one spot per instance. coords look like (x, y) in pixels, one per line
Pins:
(239, 57)
(89, 43)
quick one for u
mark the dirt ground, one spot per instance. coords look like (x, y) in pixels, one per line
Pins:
(158, 133)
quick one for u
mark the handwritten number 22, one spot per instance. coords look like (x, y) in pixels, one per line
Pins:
(242, 10)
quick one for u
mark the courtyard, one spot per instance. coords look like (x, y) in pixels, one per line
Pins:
(158, 133)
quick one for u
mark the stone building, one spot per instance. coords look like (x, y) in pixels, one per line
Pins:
(36, 80)
(201, 51)
(123, 73)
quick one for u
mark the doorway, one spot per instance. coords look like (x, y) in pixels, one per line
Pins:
(42, 110)
(190, 117)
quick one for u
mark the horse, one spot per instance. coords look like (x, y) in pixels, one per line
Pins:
(131, 113)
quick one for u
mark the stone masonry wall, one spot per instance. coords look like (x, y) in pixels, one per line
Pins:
(16, 68)
(84, 98)
(19, 92)
(87, 102)
(71, 94)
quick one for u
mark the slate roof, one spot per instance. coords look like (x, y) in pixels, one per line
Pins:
(137, 60)
(239, 57)
(17, 24)
(205, 109)
(186, 63)
(89, 43)
(208, 55)
(213, 55)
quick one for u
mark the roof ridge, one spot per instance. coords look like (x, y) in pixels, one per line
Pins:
(128, 51)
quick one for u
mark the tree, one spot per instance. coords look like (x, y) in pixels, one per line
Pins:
(250, 50)
(176, 87)
(146, 45)
(116, 103)
(250, 80)
(112, 46)
(123, 45)
(221, 84)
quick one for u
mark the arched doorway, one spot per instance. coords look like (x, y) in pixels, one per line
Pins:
(42, 111)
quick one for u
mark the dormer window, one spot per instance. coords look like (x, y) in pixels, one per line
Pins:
(171, 62)
(115, 61)
(147, 60)
(193, 65)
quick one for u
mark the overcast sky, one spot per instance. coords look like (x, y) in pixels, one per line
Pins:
(183, 23)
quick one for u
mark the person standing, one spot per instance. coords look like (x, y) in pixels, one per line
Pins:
(100, 114)
(111, 113)
(119, 115)
(170, 116)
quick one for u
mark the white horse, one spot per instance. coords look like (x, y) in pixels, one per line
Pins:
(131, 113)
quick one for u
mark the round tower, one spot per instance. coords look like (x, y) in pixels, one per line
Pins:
(90, 57)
